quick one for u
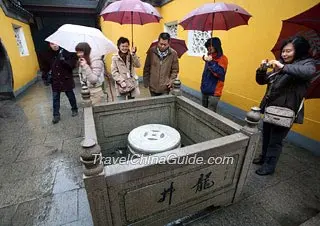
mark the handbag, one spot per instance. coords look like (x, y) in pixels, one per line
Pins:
(280, 116)
(130, 85)
(49, 74)
(48, 79)
(130, 81)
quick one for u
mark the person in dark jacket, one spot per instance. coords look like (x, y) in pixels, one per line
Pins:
(161, 67)
(292, 76)
(213, 74)
(56, 66)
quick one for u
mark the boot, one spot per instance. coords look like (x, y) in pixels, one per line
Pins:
(205, 101)
(265, 169)
(268, 166)
(74, 113)
(56, 119)
(259, 161)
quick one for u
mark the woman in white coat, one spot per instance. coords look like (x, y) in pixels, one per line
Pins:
(122, 71)
(91, 70)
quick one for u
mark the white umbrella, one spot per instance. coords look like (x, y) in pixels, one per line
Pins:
(69, 35)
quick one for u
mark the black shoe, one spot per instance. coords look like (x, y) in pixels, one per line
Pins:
(265, 169)
(55, 119)
(74, 113)
(258, 161)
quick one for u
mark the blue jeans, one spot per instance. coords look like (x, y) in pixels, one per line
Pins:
(56, 101)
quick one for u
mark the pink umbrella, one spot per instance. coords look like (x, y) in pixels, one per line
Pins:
(177, 44)
(215, 16)
(131, 12)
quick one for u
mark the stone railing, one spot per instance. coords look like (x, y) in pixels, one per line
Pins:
(140, 192)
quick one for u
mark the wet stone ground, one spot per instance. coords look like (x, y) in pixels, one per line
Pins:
(41, 176)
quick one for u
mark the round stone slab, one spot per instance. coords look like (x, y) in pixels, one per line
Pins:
(153, 138)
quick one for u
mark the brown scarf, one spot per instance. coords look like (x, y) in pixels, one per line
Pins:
(123, 56)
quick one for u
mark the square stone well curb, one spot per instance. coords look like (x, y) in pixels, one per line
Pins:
(144, 192)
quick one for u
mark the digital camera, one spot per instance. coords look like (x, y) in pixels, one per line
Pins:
(267, 65)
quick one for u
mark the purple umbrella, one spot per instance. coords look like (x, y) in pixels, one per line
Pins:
(131, 12)
(178, 45)
(215, 16)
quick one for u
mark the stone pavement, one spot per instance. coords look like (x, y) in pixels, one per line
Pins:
(41, 176)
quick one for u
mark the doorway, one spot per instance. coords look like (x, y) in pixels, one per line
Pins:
(6, 78)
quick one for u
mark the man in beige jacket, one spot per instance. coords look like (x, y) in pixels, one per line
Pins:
(161, 67)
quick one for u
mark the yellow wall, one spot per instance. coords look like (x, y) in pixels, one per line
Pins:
(245, 47)
(24, 68)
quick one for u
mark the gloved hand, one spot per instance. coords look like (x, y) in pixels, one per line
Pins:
(45, 82)
(123, 84)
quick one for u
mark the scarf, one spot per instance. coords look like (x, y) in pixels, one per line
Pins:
(163, 54)
(123, 56)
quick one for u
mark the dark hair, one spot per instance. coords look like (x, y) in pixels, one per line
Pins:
(86, 49)
(301, 47)
(216, 43)
(164, 36)
(122, 40)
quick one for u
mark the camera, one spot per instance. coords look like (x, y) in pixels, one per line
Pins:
(266, 65)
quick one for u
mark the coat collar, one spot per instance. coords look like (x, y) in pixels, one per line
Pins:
(119, 57)
(154, 50)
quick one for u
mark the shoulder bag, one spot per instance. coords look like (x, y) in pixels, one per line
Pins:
(130, 81)
(280, 116)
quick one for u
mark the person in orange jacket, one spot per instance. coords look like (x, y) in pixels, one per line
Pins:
(213, 75)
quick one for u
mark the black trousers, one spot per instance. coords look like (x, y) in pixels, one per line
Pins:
(272, 143)
(211, 102)
(153, 94)
(56, 101)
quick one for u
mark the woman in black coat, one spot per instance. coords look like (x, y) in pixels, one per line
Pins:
(289, 86)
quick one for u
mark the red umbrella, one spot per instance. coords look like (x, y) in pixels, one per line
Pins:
(306, 24)
(314, 89)
(131, 12)
(177, 44)
(215, 16)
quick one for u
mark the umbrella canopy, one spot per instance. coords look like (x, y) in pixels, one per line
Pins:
(131, 12)
(306, 24)
(215, 16)
(313, 91)
(69, 35)
(177, 44)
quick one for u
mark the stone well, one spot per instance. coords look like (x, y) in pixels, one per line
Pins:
(156, 193)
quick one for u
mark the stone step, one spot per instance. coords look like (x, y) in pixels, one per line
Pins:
(314, 221)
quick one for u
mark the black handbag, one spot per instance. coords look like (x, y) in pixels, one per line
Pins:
(49, 77)
(49, 74)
